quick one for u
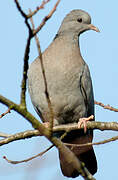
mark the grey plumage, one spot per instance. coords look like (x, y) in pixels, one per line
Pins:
(69, 85)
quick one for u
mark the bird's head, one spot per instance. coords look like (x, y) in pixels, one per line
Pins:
(77, 21)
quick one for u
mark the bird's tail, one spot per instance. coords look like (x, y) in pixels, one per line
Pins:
(85, 154)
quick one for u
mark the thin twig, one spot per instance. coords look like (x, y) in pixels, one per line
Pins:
(46, 18)
(90, 125)
(23, 14)
(94, 143)
(29, 159)
(25, 70)
(18, 136)
(27, 115)
(4, 135)
(38, 8)
(51, 120)
(20, 9)
(26, 56)
(106, 106)
(3, 114)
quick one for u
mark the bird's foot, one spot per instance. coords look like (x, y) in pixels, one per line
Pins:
(84, 122)
(46, 124)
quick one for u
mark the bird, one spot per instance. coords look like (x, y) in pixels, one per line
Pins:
(69, 86)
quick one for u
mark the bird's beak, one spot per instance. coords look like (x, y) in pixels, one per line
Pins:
(92, 27)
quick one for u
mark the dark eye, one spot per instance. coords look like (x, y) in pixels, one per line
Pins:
(79, 20)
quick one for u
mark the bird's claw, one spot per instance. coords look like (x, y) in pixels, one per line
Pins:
(46, 124)
(84, 122)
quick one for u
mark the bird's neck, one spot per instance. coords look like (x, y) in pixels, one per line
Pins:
(70, 38)
(69, 46)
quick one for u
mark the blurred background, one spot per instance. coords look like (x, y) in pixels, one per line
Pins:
(100, 51)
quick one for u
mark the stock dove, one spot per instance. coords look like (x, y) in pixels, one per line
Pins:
(69, 85)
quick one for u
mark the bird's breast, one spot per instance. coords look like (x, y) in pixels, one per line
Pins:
(63, 68)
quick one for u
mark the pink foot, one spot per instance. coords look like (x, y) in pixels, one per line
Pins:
(84, 122)
(46, 124)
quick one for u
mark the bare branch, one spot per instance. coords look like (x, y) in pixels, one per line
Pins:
(106, 106)
(20, 9)
(53, 10)
(51, 120)
(29, 159)
(25, 70)
(46, 18)
(3, 114)
(90, 125)
(27, 115)
(26, 56)
(23, 14)
(18, 136)
(94, 143)
(64, 128)
(4, 135)
(38, 8)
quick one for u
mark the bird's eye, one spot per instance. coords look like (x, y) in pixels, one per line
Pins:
(79, 20)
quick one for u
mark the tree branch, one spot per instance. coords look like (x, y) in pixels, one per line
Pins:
(26, 56)
(90, 125)
(94, 143)
(25, 70)
(64, 128)
(20, 9)
(3, 114)
(38, 8)
(27, 115)
(4, 135)
(29, 159)
(106, 106)
(51, 120)
(46, 19)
